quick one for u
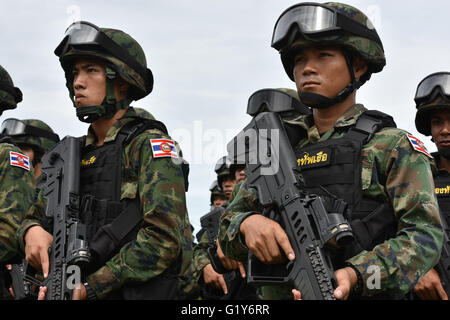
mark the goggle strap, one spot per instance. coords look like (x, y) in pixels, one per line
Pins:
(358, 29)
(34, 131)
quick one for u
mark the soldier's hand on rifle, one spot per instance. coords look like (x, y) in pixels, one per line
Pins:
(430, 287)
(264, 237)
(37, 243)
(10, 289)
(346, 279)
(214, 279)
(79, 293)
(42, 292)
(230, 264)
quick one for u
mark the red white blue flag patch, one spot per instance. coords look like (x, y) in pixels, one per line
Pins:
(163, 148)
(19, 160)
(419, 145)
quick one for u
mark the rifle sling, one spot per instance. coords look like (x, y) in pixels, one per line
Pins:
(110, 237)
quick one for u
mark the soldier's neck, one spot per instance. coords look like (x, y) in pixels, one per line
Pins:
(102, 126)
(325, 119)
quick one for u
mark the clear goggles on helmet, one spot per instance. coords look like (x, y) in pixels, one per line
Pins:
(426, 87)
(213, 186)
(15, 92)
(82, 35)
(14, 127)
(314, 19)
(221, 165)
(272, 100)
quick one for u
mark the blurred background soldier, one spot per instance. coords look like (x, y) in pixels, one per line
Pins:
(16, 184)
(34, 137)
(433, 119)
(218, 198)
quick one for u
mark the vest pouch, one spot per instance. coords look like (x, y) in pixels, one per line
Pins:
(333, 166)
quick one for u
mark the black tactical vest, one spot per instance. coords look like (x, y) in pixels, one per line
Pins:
(112, 222)
(442, 190)
(332, 169)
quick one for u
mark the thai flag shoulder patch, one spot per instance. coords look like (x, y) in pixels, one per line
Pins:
(19, 160)
(419, 145)
(163, 148)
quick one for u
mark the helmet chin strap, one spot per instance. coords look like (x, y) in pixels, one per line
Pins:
(109, 106)
(318, 101)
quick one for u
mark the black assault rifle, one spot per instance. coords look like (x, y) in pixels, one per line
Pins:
(233, 279)
(271, 168)
(210, 222)
(69, 253)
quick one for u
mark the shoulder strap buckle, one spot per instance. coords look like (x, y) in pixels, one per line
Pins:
(369, 123)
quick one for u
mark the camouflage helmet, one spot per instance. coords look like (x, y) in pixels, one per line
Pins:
(33, 139)
(432, 94)
(10, 96)
(216, 191)
(365, 42)
(222, 170)
(123, 57)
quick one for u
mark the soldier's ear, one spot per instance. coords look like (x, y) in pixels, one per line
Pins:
(360, 66)
(121, 88)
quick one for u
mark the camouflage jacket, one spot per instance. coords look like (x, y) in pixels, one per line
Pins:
(392, 171)
(200, 258)
(165, 230)
(17, 195)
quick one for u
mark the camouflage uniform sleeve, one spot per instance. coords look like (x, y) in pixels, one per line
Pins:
(159, 241)
(32, 218)
(200, 257)
(242, 204)
(409, 186)
(16, 197)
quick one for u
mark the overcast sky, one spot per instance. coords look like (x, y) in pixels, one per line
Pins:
(208, 57)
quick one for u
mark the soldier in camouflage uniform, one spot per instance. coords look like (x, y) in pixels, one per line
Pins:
(218, 198)
(213, 283)
(225, 179)
(106, 70)
(16, 181)
(330, 50)
(34, 137)
(433, 119)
